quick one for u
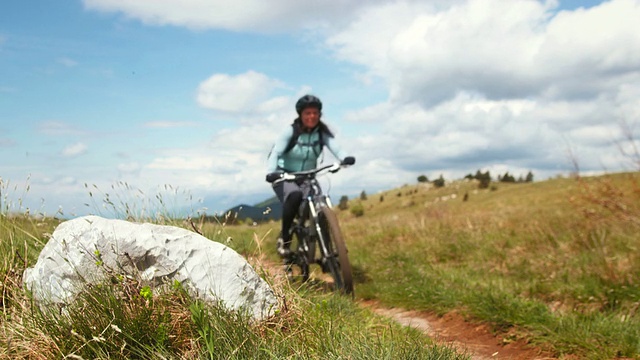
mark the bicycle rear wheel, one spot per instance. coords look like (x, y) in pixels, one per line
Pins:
(338, 259)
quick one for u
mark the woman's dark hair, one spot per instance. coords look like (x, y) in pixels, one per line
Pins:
(299, 129)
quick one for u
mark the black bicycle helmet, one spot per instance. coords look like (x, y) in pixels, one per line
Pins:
(308, 101)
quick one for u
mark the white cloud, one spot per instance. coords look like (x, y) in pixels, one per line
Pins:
(7, 142)
(65, 181)
(497, 83)
(169, 124)
(243, 93)
(234, 161)
(58, 128)
(129, 168)
(182, 163)
(500, 48)
(212, 176)
(274, 105)
(74, 150)
(65, 61)
(241, 15)
(471, 132)
(68, 181)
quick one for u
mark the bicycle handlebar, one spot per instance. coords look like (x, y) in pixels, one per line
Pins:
(308, 174)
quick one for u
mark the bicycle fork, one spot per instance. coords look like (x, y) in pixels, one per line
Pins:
(318, 228)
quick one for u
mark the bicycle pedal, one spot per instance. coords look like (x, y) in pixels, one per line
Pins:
(289, 260)
(288, 268)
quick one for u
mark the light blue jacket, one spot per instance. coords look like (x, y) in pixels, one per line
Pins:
(304, 154)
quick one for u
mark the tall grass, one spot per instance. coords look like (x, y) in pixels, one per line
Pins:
(556, 261)
(166, 205)
(123, 319)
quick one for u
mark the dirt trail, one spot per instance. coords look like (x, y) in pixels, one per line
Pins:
(476, 340)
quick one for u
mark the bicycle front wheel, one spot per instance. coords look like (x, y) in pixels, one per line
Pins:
(302, 255)
(337, 259)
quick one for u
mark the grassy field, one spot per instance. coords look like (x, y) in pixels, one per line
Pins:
(122, 320)
(554, 262)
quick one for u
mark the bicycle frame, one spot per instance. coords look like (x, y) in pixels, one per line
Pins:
(313, 224)
(313, 202)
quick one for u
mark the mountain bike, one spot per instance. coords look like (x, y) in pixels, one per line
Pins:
(317, 224)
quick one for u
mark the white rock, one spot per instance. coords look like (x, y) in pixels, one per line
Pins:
(85, 249)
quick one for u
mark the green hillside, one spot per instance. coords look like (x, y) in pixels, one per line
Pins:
(268, 202)
(553, 262)
(557, 261)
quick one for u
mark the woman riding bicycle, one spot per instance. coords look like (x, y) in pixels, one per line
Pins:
(298, 149)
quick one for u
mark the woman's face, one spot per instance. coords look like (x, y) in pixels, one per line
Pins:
(310, 117)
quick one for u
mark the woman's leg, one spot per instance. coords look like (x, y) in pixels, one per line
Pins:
(290, 196)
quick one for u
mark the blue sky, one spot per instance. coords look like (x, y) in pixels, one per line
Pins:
(185, 98)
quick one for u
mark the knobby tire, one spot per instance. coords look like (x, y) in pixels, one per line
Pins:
(339, 268)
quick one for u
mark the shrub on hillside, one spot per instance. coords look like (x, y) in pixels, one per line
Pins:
(439, 182)
(357, 209)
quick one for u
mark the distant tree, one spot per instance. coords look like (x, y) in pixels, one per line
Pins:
(469, 177)
(529, 177)
(439, 182)
(363, 195)
(423, 179)
(344, 203)
(508, 178)
(483, 178)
